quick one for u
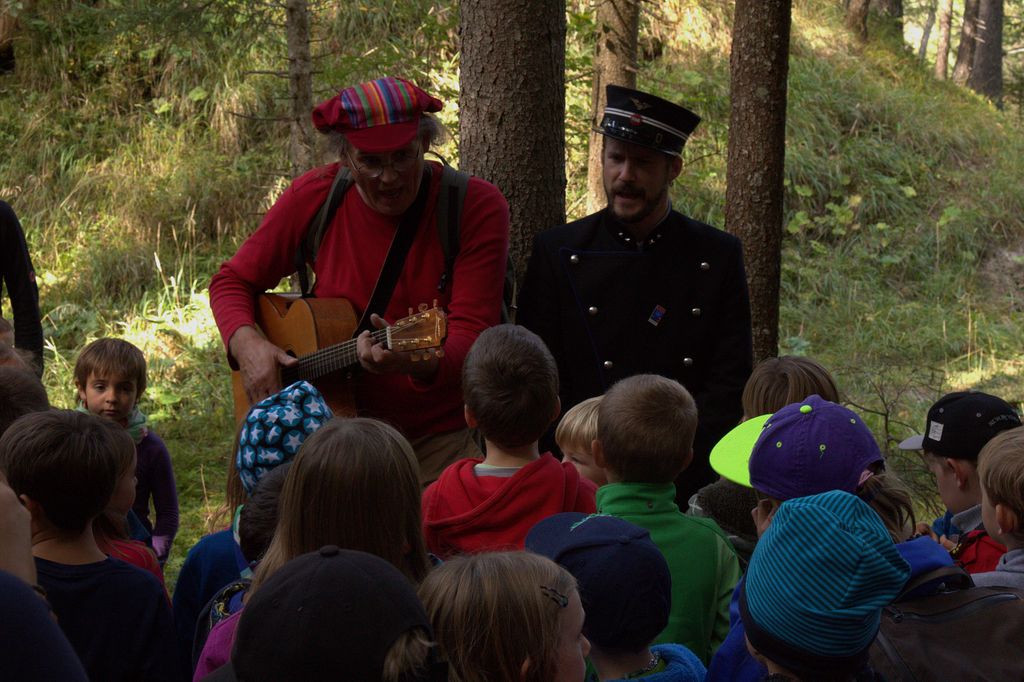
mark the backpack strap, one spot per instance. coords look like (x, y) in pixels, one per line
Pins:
(310, 244)
(393, 262)
(449, 218)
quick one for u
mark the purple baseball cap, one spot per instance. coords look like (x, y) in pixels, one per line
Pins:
(812, 447)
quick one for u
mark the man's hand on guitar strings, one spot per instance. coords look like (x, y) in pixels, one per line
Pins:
(377, 359)
(258, 360)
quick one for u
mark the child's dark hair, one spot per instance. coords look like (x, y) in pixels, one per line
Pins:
(16, 357)
(646, 425)
(510, 384)
(892, 501)
(258, 519)
(777, 382)
(63, 460)
(21, 393)
(109, 356)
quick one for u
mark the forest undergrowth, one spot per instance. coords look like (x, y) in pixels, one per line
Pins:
(141, 144)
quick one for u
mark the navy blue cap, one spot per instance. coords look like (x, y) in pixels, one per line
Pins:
(646, 119)
(624, 581)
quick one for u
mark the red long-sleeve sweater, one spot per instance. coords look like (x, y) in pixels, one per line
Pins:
(348, 265)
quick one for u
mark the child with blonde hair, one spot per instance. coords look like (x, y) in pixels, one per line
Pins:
(646, 425)
(507, 617)
(110, 375)
(1001, 472)
(354, 484)
(575, 436)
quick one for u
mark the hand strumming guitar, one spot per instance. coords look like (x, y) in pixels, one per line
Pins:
(377, 359)
(258, 360)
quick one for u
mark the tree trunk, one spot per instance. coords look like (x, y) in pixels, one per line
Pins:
(968, 43)
(8, 28)
(615, 63)
(942, 50)
(926, 33)
(512, 109)
(301, 143)
(857, 18)
(759, 67)
(987, 74)
(892, 10)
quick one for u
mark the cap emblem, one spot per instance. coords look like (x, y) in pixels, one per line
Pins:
(640, 104)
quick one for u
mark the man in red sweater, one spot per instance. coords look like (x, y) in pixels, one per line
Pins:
(382, 130)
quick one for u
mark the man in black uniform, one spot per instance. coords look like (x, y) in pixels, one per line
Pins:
(640, 288)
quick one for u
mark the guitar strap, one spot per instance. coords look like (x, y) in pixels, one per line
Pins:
(399, 249)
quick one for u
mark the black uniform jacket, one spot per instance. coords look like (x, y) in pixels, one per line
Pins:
(679, 307)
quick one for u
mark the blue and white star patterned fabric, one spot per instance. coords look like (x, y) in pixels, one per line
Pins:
(275, 429)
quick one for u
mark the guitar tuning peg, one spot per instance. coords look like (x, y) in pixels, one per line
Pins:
(435, 303)
(410, 310)
(423, 307)
(439, 353)
(414, 356)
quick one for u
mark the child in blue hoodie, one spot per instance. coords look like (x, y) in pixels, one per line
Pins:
(626, 589)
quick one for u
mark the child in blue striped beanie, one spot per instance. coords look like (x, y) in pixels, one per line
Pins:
(813, 608)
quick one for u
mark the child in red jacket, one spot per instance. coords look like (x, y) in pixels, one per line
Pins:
(510, 386)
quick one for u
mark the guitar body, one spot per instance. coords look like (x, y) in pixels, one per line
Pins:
(302, 326)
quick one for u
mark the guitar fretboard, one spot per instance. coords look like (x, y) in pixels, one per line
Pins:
(326, 360)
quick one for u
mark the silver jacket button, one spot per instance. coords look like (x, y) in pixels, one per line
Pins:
(574, 259)
(608, 364)
(688, 362)
(695, 312)
(592, 310)
(705, 266)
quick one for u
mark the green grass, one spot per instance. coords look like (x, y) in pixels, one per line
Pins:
(135, 177)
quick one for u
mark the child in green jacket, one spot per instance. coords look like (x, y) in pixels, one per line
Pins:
(645, 429)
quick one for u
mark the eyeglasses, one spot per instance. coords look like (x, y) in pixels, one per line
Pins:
(373, 167)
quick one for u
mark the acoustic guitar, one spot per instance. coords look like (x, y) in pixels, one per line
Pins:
(318, 331)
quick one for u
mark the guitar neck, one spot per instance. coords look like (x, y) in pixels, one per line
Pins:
(336, 358)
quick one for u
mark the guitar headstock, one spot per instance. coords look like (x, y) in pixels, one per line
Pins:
(421, 331)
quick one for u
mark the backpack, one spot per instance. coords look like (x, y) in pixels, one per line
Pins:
(227, 601)
(448, 212)
(954, 631)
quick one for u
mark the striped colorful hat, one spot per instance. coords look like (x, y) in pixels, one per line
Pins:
(379, 116)
(817, 582)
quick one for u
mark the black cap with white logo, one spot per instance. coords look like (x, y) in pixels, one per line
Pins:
(960, 424)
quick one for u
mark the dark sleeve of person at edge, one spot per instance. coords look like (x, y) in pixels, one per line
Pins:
(20, 280)
(32, 647)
